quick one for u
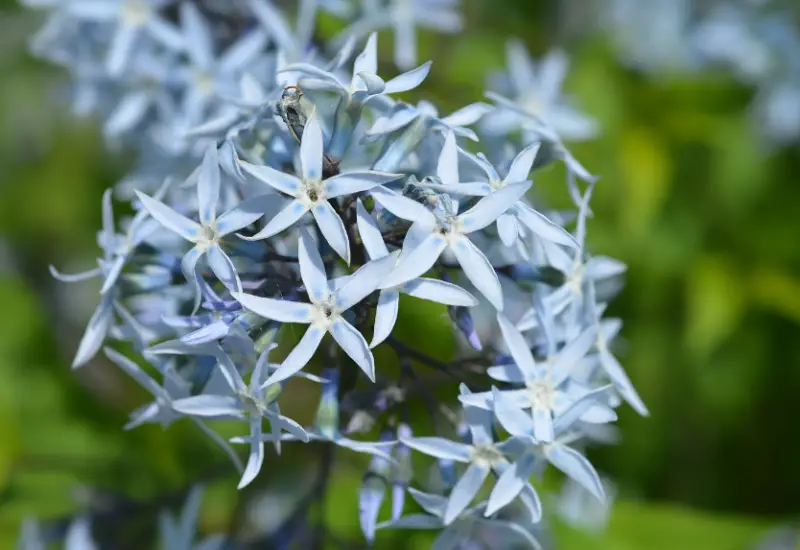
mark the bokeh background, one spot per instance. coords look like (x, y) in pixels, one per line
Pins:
(705, 214)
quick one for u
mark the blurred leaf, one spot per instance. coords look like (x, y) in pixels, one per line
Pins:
(715, 302)
(773, 289)
(646, 168)
(639, 526)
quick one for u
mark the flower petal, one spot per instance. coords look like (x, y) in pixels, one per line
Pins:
(208, 182)
(169, 218)
(439, 291)
(311, 148)
(447, 167)
(545, 228)
(576, 466)
(370, 233)
(312, 270)
(299, 356)
(464, 491)
(385, 316)
(489, 208)
(283, 182)
(510, 483)
(354, 344)
(438, 447)
(332, 228)
(282, 220)
(403, 207)
(478, 270)
(355, 182)
(208, 406)
(518, 347)
(283, 311)
(416, 262)
(408, 80)
(223, 268)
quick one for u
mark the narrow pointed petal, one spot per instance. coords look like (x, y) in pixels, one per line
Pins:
(603, 267)
(96, 331)
(464, 491)
(576, 466)
(76, 277)
(417, 261)
(354, 344)
(439, 291)
(367, 60)
(283, 311)
(243, 52)
(511, 483)
(299, 356)
(198, 35)
(468, 115)
(543, 227)
(112, 274)
(492, 206)
(479, 271)
(208, 182)
(364, 281)
(506, 373)
(408, 80)
(169, 218)
(350, 183)
(543, 425)
(256, 458)
(311, 149)
(121, 48)
(245, 213)
(312, 270)
(223, 268)
(189, 269)
(385, 316)
(566, 360)
(522, 164)
(447, 167)
(620, 379)
(208, 406)
(281, 221)
(518, 347)
(370, 233)
(507, 229)
(438, 447)
(332, 228)
(283, 182)
(510, 416)
(403, 207)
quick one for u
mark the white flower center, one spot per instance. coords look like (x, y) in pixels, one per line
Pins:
(541, 394)
(313, 192)
(324, 314)
(209, 235)
(135, 13)
(251, 405)
(204, 82)
(486, 455)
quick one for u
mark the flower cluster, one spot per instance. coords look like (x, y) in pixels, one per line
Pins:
(282, 184)
(756, 40)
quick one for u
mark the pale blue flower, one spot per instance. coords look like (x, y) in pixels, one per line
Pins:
(180, 534)
(325, 312)
(312, 194)
(207, 234)
(389, 300)
(432, 233)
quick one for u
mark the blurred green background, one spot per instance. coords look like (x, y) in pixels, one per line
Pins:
(706, 217)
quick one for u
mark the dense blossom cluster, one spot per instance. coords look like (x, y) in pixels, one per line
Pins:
(756, 40)
(283, 184)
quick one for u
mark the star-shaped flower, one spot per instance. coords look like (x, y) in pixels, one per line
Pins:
(433, 232)
(311, 193)
(326, 311)
(207, 234)
(389, 300)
